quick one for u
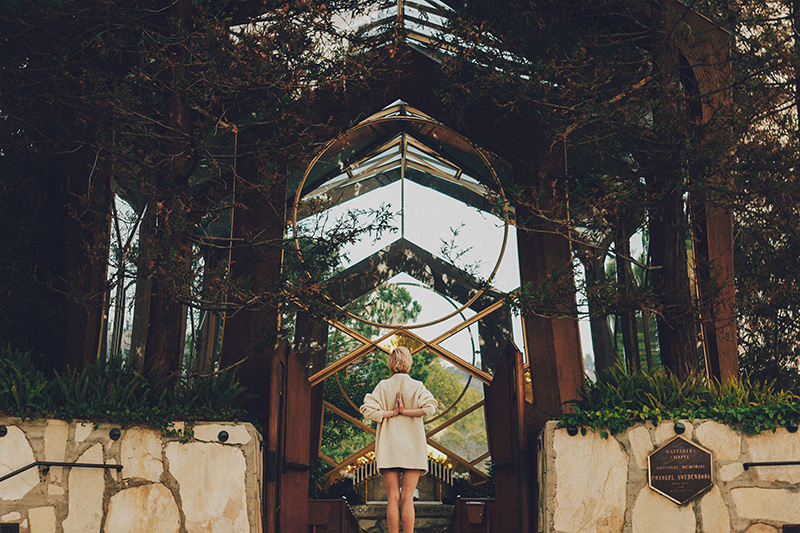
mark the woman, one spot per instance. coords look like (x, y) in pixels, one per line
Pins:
(398, 404)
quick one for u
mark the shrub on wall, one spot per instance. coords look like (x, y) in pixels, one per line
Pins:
(111, 390)
(619, 399)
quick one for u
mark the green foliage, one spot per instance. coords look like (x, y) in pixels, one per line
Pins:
(618, 400)
(467, 436)
(110, 390)
(22, 385)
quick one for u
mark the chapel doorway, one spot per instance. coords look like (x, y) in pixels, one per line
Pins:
(433, 272)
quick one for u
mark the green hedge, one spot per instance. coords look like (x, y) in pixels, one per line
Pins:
(618, 400)
(111, 391)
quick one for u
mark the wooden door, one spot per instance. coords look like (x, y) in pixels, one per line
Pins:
(296, 446)
(287, 453)
(505, 425)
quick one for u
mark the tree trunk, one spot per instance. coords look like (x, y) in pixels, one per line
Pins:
(602, 342)
(141, 310)
(250, 332)
(89, 195)
(630, 338)
(667, 220)
(164, 348)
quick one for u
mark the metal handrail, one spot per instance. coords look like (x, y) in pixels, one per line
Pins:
(48, 464)
(771, 463)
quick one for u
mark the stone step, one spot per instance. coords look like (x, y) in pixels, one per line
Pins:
(431, 517)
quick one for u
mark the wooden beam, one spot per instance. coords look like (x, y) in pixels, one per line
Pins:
(455, 419)
(349, 418)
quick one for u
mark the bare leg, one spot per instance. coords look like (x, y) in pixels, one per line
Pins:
(392, 481)
(410, 478)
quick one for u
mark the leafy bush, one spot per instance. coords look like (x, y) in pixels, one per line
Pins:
(23, 388)
(111, 390)
(617, 400)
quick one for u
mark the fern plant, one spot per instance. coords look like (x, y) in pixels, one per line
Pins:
(111, 390)
(619, 399)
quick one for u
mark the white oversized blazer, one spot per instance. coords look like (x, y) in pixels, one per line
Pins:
(400, 440)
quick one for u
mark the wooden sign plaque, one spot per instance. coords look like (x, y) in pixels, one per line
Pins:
(680, 470)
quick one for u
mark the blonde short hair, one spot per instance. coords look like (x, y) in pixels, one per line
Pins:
(400, 360)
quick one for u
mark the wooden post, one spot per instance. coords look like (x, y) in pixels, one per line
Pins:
(553, 345)
(505, 426)
(296, 446)
(311, 343)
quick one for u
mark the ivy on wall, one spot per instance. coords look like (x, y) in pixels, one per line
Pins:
(618, 400)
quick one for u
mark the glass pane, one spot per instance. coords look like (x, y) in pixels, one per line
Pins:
(401, 338)
(466, 437)
(340, 438)
(465, 345)
(495, 331)
(347, 388)
(466, 237)
(340, 343)
(447, 383)
(358, 213)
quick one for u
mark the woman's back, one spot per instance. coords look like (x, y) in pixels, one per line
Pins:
(400, 440)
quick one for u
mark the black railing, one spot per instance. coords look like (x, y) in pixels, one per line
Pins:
(771, 463)
(48, 464)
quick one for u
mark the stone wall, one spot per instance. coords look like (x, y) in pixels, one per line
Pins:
(165, 485)
(589, 484)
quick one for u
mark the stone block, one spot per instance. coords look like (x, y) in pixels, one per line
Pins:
(42, 519)
(210, 477)
(757, 503)
(15, 453)
(652, 513)
(720, 439)
(237, 434)
(730, 472)
(762, 528)
(714, 513)
(83, 430)
(591, 478)
(55, 446)
(140, 452)
(641, 444)
(153, 506)
(666, 431)
(85, 493)
(778, 446)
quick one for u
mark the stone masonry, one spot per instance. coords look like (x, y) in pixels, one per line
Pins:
(199, 483)
(596, 485)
